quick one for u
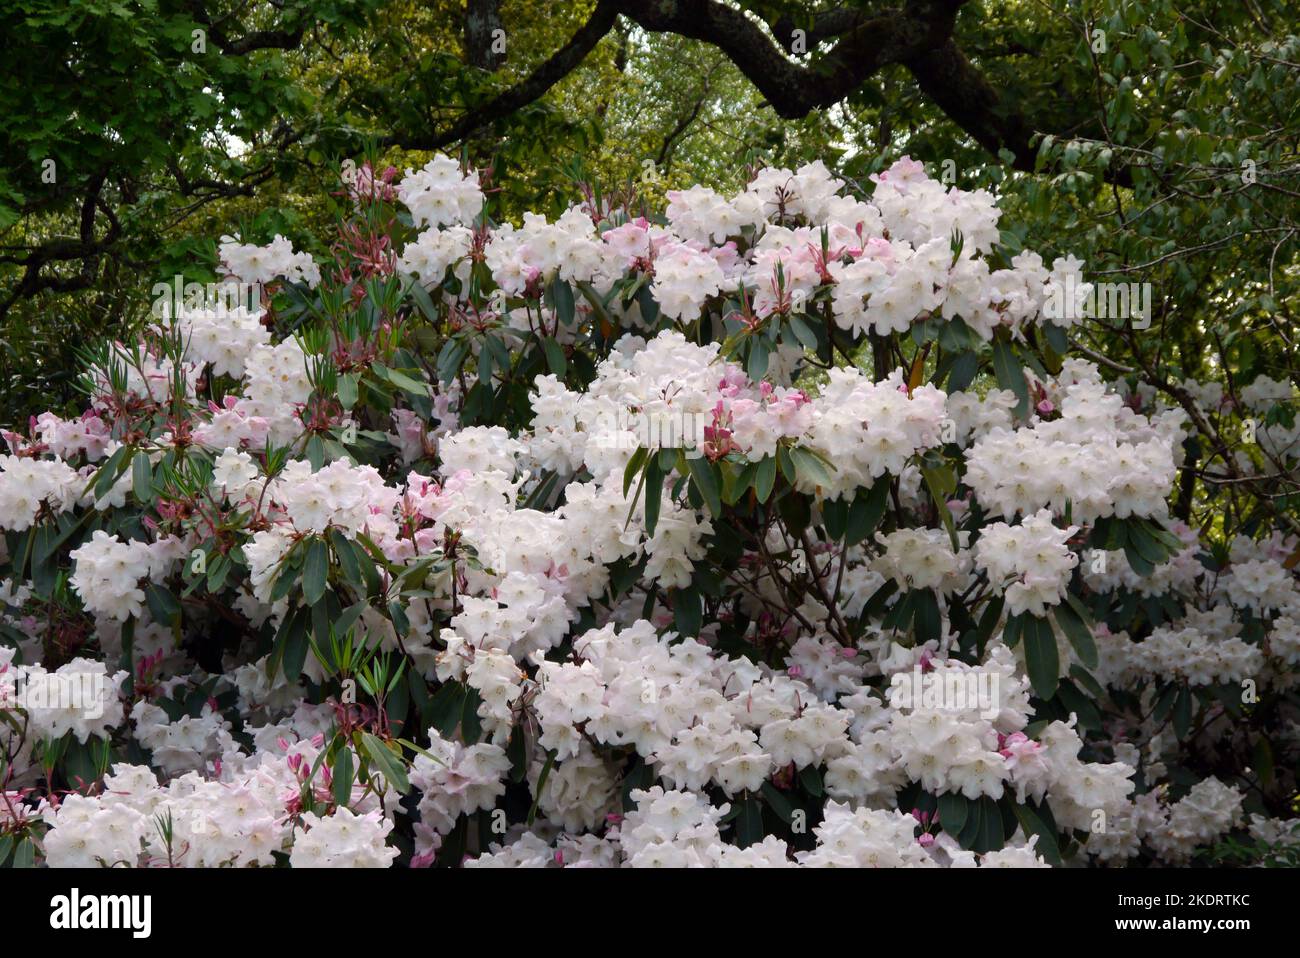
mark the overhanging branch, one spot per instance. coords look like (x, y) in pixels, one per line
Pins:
(563, 62)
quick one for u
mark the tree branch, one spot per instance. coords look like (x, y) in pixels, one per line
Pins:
(792, 89)
(563, 62)
(957, 87)
(260, 40)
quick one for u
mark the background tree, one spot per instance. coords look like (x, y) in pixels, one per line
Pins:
(1154, 140)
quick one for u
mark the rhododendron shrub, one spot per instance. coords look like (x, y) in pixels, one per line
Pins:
(779, 528)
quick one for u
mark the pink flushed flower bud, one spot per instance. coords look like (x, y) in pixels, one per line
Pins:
(1045, 407)
(794, 671)
(731, 384)
(925, 840)
(1016, 743)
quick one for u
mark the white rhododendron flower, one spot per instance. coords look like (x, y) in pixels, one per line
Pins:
(760, 530)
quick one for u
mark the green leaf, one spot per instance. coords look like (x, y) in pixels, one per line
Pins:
(1140, 563)
(811, 778)
(1010, 374)
(1141, 541)
(562, 297)
(517, 752)
(142, 478)
(785, 464)
(107, 474)
(1165, 702)
(218, 569)
(991, 837)
(389, 765)
(347, 557)
(445, 708)
(778, 802)
(315, 453)
(706, 480)
(749, 822)
(297, 642)
(633, 467)
(284, 581)
(765, 479)
(937, 481)
(25, 854)
(953, 810)
(405, 382)
(348, 618)
(1013, 630)
(348, 390)
(900, 616)
(423, 301)
(835, 517)
(163, 606)
(926, 618)
(654, 490)
(756, 364)
(343, 774)
(554, 355)
(1073, 699)
(451, 358)
(962, 372)
(809, 467)
(1032, 824)
(541, 784)
(1042, 658)
(688, 611)
(803, 332)
(397, 615)
(1078, 633)
(1083, 677)
(973, 827)
(866, 512)
(315, 570)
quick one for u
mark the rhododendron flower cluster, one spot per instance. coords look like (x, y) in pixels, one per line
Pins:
(761, 531)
